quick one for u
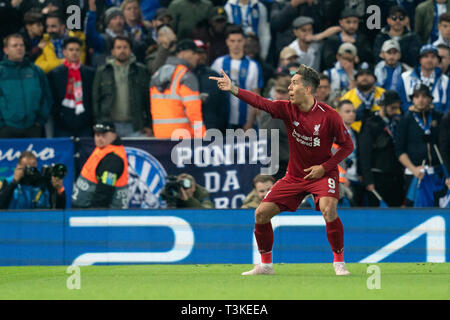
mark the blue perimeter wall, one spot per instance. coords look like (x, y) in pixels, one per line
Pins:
(85, 237)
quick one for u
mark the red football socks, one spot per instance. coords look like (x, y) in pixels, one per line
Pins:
(335, 235)
(264, 239)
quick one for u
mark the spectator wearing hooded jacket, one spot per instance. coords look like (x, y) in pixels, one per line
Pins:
(428, 73)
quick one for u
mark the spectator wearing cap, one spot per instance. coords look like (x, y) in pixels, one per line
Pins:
(409, 7)
(380, 168)
(444, 30)
(26, 99)
(243, 71)
(397, 29)
(176, 105)
(103, 180)
(120, 91)
(71, 84)
(416, 133)
(214, 101)
(265, 121)
(52, 52)
(287, 55)
(342, 75)
(349, 23)
(309, 53)
(253, 18)
(444, 54)
(389, 70)
(215, 34)
(32, 34)
(426, 19)
(101, 43)
(283, 14)
(429, 73)
(364, 97)
(187, 14)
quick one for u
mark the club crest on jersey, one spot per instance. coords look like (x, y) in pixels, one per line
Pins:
(316, 129)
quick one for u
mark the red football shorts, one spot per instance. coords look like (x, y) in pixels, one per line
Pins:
(287, 193)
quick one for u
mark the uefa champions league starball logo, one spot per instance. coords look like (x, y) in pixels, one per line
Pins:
(146, 178)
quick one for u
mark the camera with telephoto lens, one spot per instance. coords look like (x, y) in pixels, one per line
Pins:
(172, 190)
(32, 176)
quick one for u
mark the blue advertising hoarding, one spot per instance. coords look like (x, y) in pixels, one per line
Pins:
(86, 237)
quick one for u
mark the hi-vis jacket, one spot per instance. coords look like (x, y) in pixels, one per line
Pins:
(85, 186)
(175, 101)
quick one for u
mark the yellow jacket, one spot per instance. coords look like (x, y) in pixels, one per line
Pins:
(353, 97)
(48, 60)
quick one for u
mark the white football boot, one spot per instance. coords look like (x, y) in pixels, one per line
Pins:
(340, 269)
(259, 269)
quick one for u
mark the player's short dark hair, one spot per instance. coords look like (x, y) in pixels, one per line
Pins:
(56, 15)
(445, 17)
(70, 40)
(310, 77)
(262, 178)
(233, 29)
(122, 38)
(12, 35)
(343, 102)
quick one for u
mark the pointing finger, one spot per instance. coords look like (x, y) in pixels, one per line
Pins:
(215, 78)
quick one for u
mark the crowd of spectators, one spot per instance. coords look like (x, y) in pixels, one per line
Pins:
(144, 66)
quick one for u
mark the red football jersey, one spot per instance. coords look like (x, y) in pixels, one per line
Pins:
(311, 134)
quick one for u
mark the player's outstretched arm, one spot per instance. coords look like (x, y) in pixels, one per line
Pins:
(224, 83)
(273, 107)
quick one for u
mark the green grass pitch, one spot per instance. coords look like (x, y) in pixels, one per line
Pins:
(224, 282)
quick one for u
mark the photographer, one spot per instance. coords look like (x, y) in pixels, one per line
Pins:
(31, 189)
(183, 192)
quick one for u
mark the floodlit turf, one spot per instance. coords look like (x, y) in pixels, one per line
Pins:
(208, 282)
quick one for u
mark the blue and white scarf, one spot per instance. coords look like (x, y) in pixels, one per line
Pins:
(243, 73)
(251, 19)
(425, 127)
(381, 73)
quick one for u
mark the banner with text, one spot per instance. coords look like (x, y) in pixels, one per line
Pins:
(226, 170)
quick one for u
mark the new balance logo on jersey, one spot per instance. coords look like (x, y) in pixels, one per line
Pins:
(331, 191)
(295, 123)
(316, 142)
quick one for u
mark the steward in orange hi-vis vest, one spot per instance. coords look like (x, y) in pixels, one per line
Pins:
(175, 97)
(104, 177)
